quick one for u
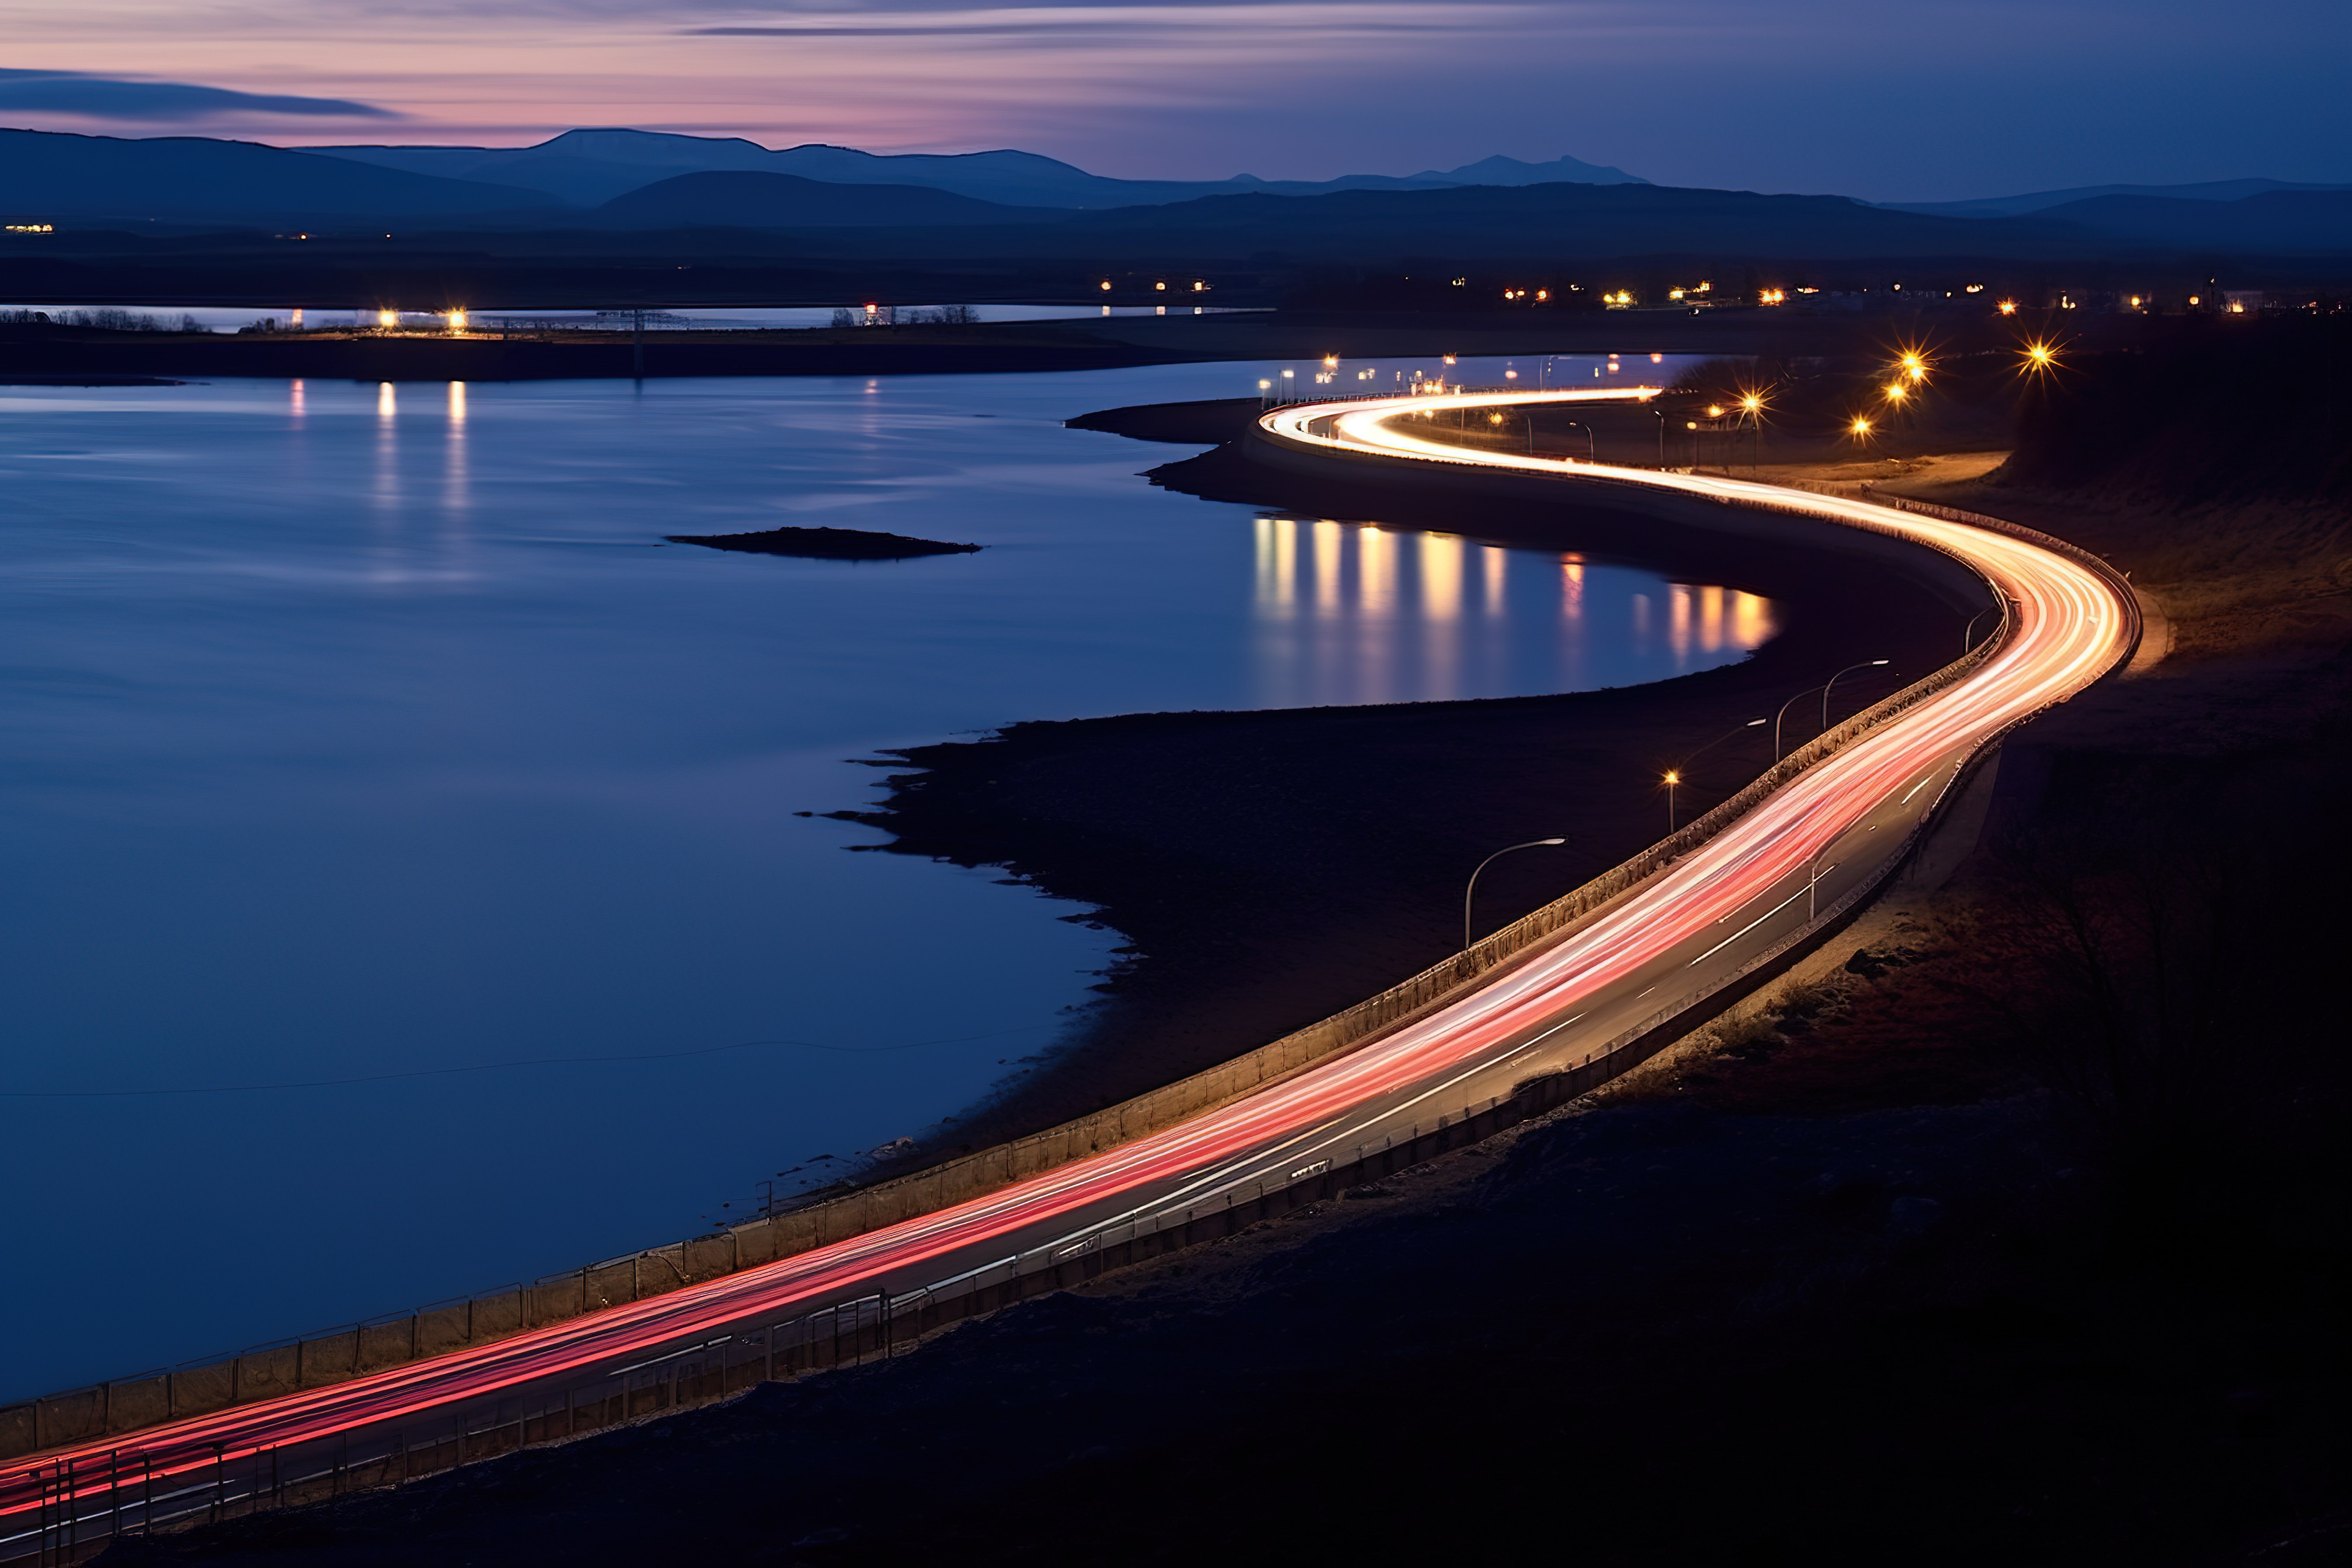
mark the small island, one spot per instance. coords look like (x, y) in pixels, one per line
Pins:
(826, 544)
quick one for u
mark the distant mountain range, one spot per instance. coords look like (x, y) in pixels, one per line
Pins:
(1017, 203)
(590, 167)
(2044, 201)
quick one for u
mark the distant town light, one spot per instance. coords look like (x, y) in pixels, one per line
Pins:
(387, 318)
(2009, 307)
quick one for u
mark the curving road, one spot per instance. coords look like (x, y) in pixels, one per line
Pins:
(1689, 930)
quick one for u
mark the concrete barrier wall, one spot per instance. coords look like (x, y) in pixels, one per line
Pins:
(83, 1416)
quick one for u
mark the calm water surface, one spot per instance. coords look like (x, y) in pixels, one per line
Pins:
(348, 732)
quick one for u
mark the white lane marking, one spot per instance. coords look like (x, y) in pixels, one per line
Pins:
(1760, 920)
(1432, 1090)
(1915, 788)
(672, 1355)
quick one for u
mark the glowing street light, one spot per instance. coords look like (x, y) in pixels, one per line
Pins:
(1673, 780)
(1859, 429)
(1897, 392)
(2009, 307)
(1751, 404)
(387, 318)
(457, 319)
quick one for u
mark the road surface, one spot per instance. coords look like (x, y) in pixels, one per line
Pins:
(1670, 942)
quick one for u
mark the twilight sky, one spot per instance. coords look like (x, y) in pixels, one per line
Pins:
(1918, 100)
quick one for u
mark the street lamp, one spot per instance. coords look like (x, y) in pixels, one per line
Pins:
(1661, 435)
(1808, 691)
(1675, 776)
(1969, 635)
(1833, 680)
(1589, 448)
(1471, 891)
(1752, 405)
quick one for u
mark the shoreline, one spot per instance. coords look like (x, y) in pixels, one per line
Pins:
(1270, 867)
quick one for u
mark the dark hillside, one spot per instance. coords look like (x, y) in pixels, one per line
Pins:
(52, 176)
(748, 199)
(2206, 411)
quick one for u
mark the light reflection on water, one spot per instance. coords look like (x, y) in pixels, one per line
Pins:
(1356, 613)
(351, 729)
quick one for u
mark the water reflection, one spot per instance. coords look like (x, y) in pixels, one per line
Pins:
(1350, 612)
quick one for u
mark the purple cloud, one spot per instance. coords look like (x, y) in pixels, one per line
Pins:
(111, 97)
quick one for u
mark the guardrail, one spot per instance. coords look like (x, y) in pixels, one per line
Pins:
(125, 1405)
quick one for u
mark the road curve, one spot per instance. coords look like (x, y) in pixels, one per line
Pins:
(2069, 625)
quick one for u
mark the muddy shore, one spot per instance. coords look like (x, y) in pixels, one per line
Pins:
(1269, 868)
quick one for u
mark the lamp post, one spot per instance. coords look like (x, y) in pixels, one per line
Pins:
(1833, 680)
(1672, 779)
(1591, 448)
(1808, 691)
(1661, 435)
(1968, 636)
(1526, 417)
(1471, 891)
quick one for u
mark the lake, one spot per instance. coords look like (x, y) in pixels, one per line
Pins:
(404, 890)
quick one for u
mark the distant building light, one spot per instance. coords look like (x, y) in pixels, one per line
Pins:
(1106, 283)
(32, 229)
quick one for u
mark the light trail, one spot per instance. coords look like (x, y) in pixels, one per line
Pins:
(2068, 625)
